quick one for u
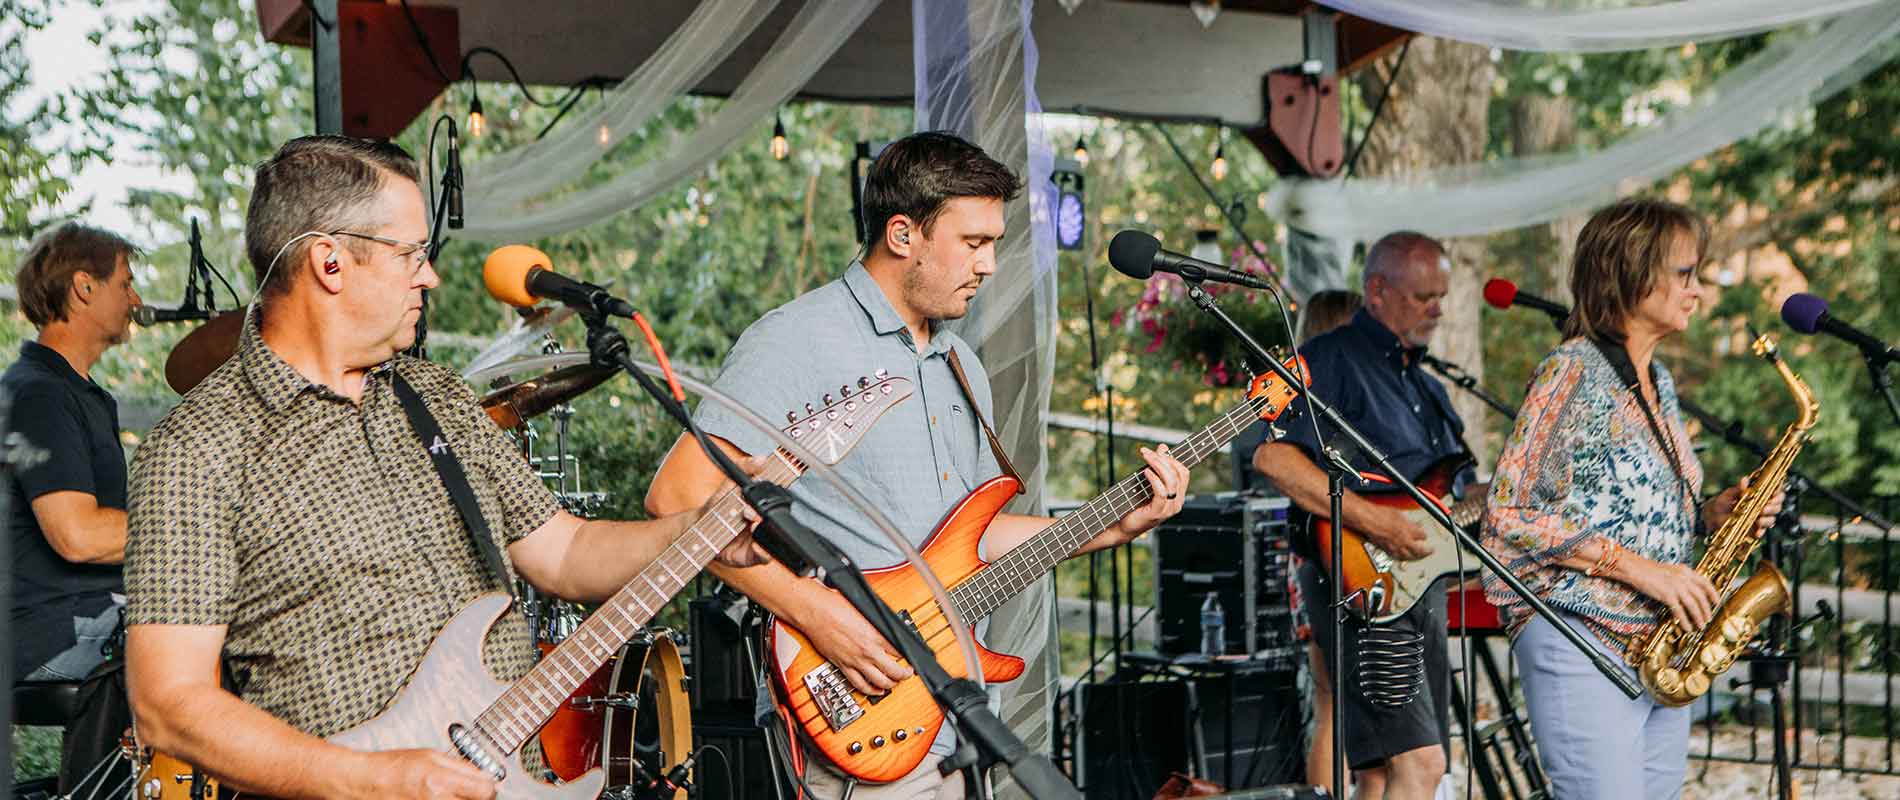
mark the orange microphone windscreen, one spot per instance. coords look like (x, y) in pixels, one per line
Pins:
(506, 273)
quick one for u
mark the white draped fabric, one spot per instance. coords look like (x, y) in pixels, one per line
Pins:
(500, 213)
(976, 76)
(1775, 87)
(1594, 26)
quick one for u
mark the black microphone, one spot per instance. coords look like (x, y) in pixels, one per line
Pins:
(1808, 314)
(1139, 255)
(519, 275)
(1503, 294)
(452, 182)
(147, 316)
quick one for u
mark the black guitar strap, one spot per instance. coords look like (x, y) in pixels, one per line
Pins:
(449, 468)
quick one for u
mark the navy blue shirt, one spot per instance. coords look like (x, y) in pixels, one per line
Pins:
(76, 424)
(1374, 381)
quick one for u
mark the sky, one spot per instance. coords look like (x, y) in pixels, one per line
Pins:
(61, 58)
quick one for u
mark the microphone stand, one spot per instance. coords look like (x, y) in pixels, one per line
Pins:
(984, 739)
(1731, 432)
(1464, 380)
(1611, 670)
(1877, 361)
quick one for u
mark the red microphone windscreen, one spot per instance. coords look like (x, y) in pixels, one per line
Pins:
(506, 273)
(1500, 292)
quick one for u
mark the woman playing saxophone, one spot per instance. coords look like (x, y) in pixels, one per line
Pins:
(1595, 506)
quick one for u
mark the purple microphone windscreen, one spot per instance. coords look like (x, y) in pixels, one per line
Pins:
(1803, 312)
(1133, 253)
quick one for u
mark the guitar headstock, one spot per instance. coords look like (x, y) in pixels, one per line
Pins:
(831, 430)
(1272, 394)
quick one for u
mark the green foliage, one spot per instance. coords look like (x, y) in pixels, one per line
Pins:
(36, 180)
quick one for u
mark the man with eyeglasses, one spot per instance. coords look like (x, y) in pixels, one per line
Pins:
(288, 515)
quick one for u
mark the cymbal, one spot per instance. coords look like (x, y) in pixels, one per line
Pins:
(514, 404)
(203, 350)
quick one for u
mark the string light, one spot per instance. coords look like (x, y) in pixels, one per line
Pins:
(605, 135)
(780, 146)
(1081, 151)
(1219, 168)
(476, 124)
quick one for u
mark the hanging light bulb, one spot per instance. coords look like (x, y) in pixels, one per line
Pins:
(1081, 151)
(1219, 168)
(605, 135)
(476, 124)
(780, 146)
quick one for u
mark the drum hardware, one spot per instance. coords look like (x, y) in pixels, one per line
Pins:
(620, 700)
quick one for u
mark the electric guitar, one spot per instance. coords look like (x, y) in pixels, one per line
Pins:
(880, 739)
(451, 704)
(1383, 587)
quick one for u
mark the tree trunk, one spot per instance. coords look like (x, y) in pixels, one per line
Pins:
(1437, 116)
(1542, 124)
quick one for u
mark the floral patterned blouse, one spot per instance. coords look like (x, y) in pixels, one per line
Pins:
(1583, 463)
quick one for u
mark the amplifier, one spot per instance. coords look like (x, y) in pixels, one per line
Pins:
(1237, 546)
(722, 693)
(1130, 736)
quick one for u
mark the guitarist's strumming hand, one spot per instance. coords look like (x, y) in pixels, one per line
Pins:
(844, 638)
(1168, 480)
(1398, 536)
(421, 774)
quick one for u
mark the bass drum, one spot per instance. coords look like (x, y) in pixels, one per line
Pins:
(633, 711)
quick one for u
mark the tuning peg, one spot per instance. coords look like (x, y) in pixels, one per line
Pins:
(863, 382)
(881, 374)
(791, 417)
(809, 409)
(844, 390)
(827, 398)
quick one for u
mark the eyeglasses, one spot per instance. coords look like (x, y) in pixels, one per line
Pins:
(417, 253)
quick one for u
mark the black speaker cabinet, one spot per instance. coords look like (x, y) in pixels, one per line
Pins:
(1132, 735)
(722, 693)
(1236, 546)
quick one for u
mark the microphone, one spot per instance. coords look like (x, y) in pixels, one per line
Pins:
(147, 316)
(519, 275)
(1139, 255)
(1503, 294)
(1808, 314)
(452, 182)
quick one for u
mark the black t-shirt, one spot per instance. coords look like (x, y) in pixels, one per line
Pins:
(76, 424)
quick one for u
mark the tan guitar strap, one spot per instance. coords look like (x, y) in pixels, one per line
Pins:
(996, 445)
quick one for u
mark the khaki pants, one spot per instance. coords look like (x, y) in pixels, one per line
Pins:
(923, 783)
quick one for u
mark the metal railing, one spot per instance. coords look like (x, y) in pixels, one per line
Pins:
(1841, 690)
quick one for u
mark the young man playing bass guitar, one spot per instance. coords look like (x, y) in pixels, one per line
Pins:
(933, 208)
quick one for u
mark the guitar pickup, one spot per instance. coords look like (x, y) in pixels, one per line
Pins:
(832, 694)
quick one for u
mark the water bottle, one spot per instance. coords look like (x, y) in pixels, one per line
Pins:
(1213, 626)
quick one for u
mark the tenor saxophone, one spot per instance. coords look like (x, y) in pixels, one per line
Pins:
(1679, 665)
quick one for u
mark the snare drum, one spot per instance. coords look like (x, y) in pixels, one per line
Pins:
(634, 709)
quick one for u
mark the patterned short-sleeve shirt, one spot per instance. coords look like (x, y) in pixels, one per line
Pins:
(318, 532)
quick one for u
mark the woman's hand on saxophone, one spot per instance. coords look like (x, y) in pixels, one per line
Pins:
(1722, 506)
(1691, 598)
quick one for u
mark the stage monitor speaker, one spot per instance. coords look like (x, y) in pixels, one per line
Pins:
(722, 690)
(1237, 546)
(1251, 727)
(1132, 736)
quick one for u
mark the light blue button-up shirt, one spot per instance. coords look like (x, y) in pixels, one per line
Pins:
(921, 456)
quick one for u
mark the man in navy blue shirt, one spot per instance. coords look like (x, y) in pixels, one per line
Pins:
(1368, 369)
(67, 518)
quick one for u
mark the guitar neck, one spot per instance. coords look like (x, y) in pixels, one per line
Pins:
(981, 593)
(1467, 512)
(529, 702)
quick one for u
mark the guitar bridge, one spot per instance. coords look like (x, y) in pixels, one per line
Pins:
(832, 694)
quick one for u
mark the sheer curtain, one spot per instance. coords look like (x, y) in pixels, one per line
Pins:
(500, 213)
(1595, 25)
(1775, 87)
(976, 75)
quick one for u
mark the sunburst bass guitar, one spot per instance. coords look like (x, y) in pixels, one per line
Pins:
(451, 704)
(880, 739)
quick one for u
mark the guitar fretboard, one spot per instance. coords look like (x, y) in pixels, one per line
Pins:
(529, 702)
(981, 593)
